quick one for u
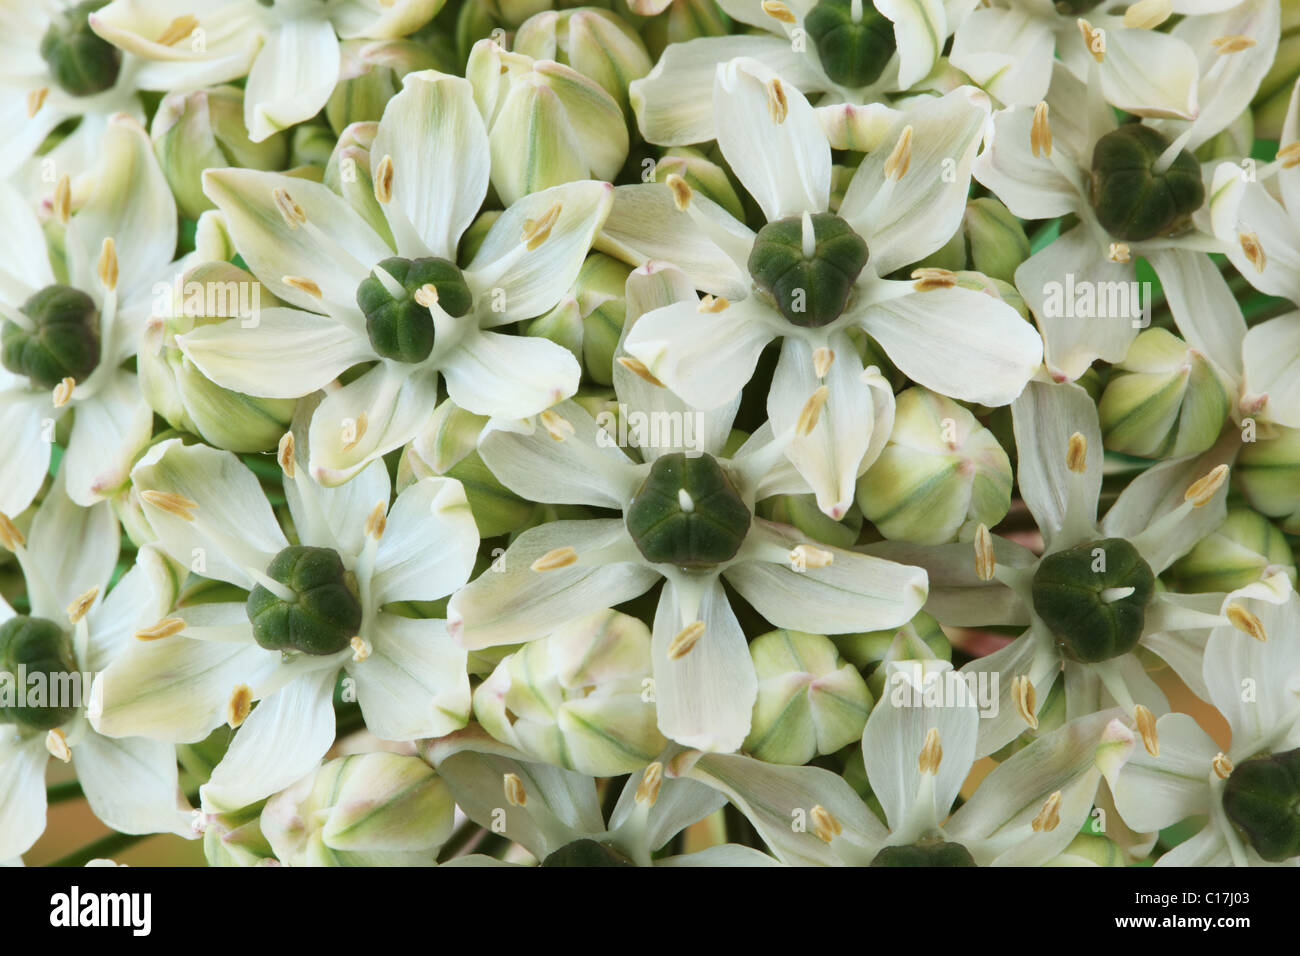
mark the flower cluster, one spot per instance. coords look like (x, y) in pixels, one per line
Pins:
(653, 432)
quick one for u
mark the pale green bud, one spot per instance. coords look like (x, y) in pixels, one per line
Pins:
(512, 13)
(1241, 551)
(1163, 400)
(810, 700)
(370, 74)
(1268, 474)
(594, 42)
(204, 129)
(1273, 96)
(676, 21)
(941, 475)
(381, 809)
(920, 639)
(995, 239)
(1088, 849)
(547, 123)
(703, 176)
(1002, 291)
(589, 320)
(236, 838)
(581, 698)
(802, 512)
(348, 173)
(447, 446)
(210, 293)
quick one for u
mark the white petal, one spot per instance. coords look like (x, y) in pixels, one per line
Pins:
(1203, 306)
(1253, 683)
(439, 148)
(1155, 792)
(1271, 353)
(1006, 52)
(108, 432)
(681, 803)
(22, 793)
(414, 682)
(513, 376)
(429, 544)
(778, 152)
(132, 784)
(70, 550)
(286, 354)
(957, 595)
(1149, 73)
(1031, 186)
(334, 517)
(511, 603)
(706, 698)
(292, 77)
(283, 739)
(958, 342)
(1044, 418)
(141, 598)
(920, 30)
(23, 418)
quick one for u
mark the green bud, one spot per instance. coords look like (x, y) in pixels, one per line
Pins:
(589, 320)
(1268, 474)
(683, 20)
(204, 129)
(802, 512)
(577, 698)
(1074, 8)
(1262, 797)
(81, 61)
(1238, 553)
(399, 327)
(1094, 598)
(236, 839)
(941, 853)
(587, 853)
(808, 266)
(810, 701)
(64, 342)
(1163, 401)
(853, 49)
(362, 810)
(1089, 849)
(687, 513)
(370, 74)
(324, 614)
(310, 146)
(1003, 291)
(594, 42)
(920, 639)
(704, 176)
(996, 239)
(348, 173)
(941, 475)
(31, 646)
(1134, 202)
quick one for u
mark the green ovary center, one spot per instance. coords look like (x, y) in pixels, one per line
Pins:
(62, 342)
(1262, 798)
(1133, 200)
(854, 41)
(397, 311)
(687, 513)
(322, 612)
(807, 265)
(82, 62)
(37, 668)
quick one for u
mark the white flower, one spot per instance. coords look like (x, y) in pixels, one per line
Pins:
(67, 559)
(206, 667)
(310, 248)
(705, 684)
(120, 235)
(905, 201)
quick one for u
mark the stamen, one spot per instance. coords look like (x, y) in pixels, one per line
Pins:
(824, 824)
(555, 559)
(1146, 724)
(1076, 454)
(35, 100)
(1094, 40)
(384, 180)
(63, 199)
(1026, 699)
(1148, 14)
(427, 295)
(901, 156)
(284, 455)
(1222, 765)
(537, 230)
(647, 791)
(360, 649)
(1050, 816)
(1232, 43)
(239, 706)
(682, 191)
(1253, 249)
(1119, 252)
(10, 536)
(1201, 491)
(56, 742)
(712, 304)
(173, 504)
(778, 107)
(556, 425)
(358, 432)
(929, 279)
(78, 608)
(63, 392)
(812, 411)
(516, 795)
(1040, 133)
(823, 358)
(290, 211)
(931, 753)
(178, 29)
(778, 11)
(804, 556)
(167, 627)
(1246, 622)
(685, 641)
(638, 368)
(302, 284)
(377, 521)
(1289, 156)
(985, 561)
(107, 267)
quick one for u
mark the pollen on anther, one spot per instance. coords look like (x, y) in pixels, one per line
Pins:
(56, 742)
(284, 454)
(377, 521)
(78, 608)
(685, 641)
(384, 180)
(639, 369)
(536, 231)
(63, 392)
(172, 503)
(555, 559)
(556, 425)
(239, 706)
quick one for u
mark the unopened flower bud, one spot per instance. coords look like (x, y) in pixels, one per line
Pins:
(1268, 474)
(810, 700)
(324, 614)
(1236, 554)
(802, 512)
(1089, 849)
(370, 74)
(63, 343)
(1163, 401)
(1132, 200)
(941, 475)
(687, 513)
(236, 838)
(596, 43)
(995, 238)
(920, 639)
(31, 647)
(704, 177)
(1093, 597)
(807, 265)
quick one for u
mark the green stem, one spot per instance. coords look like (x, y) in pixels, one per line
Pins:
(62, 792)
(106, 846)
